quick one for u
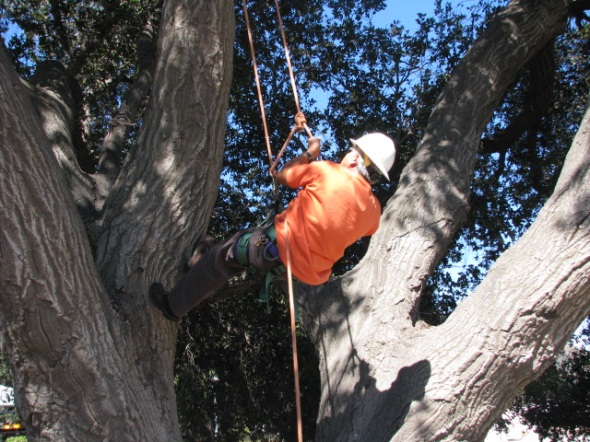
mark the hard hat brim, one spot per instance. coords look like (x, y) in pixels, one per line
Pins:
(376, 164)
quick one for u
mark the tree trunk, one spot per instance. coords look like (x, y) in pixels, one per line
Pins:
(386, 376)
(91, 359)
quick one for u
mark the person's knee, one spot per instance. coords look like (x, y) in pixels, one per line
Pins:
(263, 252)
(201, 247)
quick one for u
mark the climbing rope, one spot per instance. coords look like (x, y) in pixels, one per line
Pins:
(300, 125)
(294, 340)
(258, 86)
(287, 56)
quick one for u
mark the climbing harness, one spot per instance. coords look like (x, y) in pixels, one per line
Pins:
(300, 125)
(268, 241)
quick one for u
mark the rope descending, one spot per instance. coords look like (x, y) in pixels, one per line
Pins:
(300, 126)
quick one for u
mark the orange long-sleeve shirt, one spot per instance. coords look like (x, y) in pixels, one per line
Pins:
(333, 210)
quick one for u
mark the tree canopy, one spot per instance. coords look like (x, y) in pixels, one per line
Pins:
(353, 77)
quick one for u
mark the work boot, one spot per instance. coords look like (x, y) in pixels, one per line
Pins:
(159, 298)
(201, 247)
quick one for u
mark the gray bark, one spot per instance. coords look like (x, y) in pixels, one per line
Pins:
(384, 375)
(164, 195)
(91, 358)
(113, 146)
(57, 99)
(55, 317)
(55, 96)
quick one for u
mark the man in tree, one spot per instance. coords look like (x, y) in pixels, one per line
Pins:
(335, 207)
(85, 348)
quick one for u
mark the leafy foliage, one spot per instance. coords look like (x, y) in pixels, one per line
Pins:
(5, 377)
(76, 33)
(235, 376)
(558, 404)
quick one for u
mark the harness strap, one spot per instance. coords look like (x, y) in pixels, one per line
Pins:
(242, 250)
(272, 252)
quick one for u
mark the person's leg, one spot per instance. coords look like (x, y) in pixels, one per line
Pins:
(201, 247)
(211, 272)
(214, 268)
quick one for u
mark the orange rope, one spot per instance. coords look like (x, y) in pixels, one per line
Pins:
(288, 57)
(289, 273)
(272, 167)
(258, 87)
(294, 343)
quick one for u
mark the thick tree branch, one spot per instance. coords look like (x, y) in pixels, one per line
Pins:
(177, 160)
(417, 225)
(435, 184)
(65, 341)
(56, 97)
(532, 314)
(114, 145)
(55, 318)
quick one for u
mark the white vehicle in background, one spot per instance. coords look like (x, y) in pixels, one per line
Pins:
(6, 396)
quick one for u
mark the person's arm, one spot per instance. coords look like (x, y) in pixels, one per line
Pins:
(312, 152)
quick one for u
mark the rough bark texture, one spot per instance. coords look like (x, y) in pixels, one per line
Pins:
(54, 320)
(165, 193)
(384, 375)
(91, 359)
(111, 156)
(55, 95)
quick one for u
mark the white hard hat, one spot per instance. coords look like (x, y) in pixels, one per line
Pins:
(380, 150)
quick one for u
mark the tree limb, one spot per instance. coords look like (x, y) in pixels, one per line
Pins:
(55, 97)
(371, 314)
(520, 320)
(152, 205)
(113, 149)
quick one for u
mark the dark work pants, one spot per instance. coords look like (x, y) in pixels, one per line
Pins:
(218, 266)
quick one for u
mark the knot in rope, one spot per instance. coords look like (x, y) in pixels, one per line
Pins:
(300, 122)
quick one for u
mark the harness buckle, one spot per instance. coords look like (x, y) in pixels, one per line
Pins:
(261, 241)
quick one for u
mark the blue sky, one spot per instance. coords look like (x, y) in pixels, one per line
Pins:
(405, 11)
